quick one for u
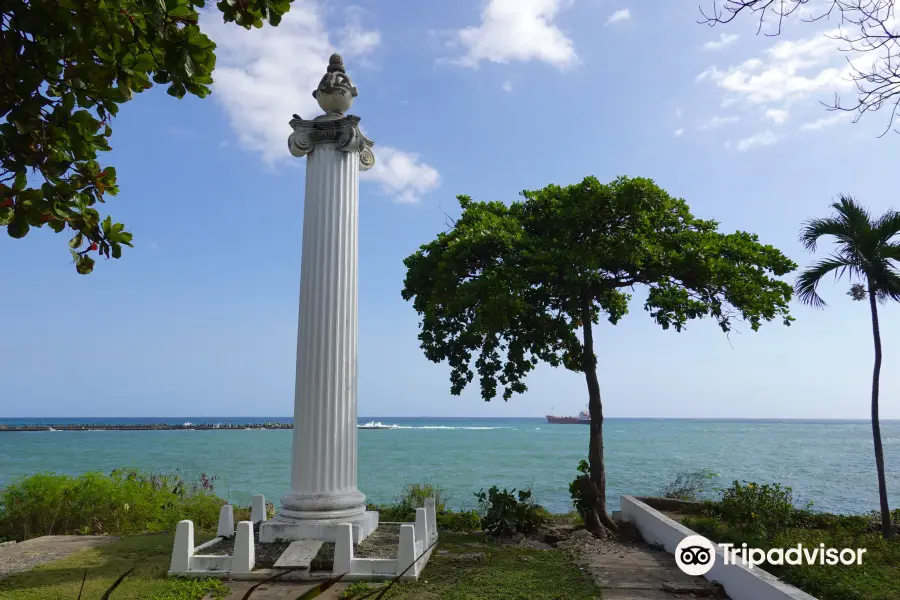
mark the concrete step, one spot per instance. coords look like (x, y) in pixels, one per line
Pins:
(299, 554)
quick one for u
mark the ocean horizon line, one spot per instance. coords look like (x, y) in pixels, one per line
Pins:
(263, 419)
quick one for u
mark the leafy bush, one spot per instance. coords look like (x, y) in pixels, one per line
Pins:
(688, 485)
(121, 503)
(505, 515)
(575, 489)
(763, 509)
(465, 520)
(415, 494)
(413, 497)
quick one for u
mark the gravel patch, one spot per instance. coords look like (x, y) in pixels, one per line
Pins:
(26, 555)
(382, 543)
(266, 555)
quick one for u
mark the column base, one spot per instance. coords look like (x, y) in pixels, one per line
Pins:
(286, 527)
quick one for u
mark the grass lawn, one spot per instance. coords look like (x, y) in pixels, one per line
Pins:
(505, 573)
(149, 554)
(878, 578)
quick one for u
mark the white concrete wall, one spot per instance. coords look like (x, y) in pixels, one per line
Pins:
(415, 538)
(185, 559)
(740, 582)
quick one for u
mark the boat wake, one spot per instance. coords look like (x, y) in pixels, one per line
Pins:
(380, 425)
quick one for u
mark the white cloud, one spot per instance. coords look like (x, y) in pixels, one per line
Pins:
(401, 175)
(622, 14)
(766, 138)
(507, 86)
(715, 122)
(677, 113)
(266, 75)
(823, 122)
(724, 40)
(778, 115)
(517, 30)
(679, 131)
(790, 71)
(353, 38)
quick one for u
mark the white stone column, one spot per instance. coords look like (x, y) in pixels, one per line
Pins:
(323, 464)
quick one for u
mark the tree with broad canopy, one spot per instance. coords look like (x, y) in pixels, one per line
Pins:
(514, 284)
(66, 66)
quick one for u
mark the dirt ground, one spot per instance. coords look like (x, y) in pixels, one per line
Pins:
(634, 570)
(31, 553)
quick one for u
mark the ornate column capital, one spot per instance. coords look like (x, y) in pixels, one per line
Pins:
(342, 131)
(335, 96)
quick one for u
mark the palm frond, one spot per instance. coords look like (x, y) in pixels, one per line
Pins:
(115, 584)
(808, 280)
(887, 226)
(892, 251)
(813, 229)
(853, 213)
(886, 280)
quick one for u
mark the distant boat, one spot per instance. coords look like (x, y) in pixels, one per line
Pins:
(583, 418)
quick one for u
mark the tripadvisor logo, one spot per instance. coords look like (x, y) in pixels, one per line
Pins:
(696, 555)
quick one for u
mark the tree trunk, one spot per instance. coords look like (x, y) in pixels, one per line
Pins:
(886, 528)
(599, 520)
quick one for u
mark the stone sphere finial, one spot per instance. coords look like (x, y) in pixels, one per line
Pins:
(336, 92)
(336, 63)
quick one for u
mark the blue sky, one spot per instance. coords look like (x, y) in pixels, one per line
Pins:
(462, 97)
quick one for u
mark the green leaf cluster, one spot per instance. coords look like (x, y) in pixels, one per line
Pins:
(866, 250)
(66, 67)
(506, 513)
(512, 283)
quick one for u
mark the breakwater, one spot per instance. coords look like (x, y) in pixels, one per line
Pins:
(145, 427)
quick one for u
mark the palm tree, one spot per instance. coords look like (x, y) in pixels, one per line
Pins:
(866, 252)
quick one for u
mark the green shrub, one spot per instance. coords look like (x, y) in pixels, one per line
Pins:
(121, 503)
(505, 515)
(465, 520)
(575, 489)
(391, 513)
(690, 485)
(415, 494)
(764, 509)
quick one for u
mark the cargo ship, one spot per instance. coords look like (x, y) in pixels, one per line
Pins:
(583, 418)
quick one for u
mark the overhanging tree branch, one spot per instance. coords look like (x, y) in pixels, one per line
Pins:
(869, 30)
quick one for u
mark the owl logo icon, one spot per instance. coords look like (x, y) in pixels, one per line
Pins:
(695, 555)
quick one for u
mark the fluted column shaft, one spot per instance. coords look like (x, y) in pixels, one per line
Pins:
(327, 349)
(323, 469)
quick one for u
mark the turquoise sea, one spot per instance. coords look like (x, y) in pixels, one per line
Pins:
(830, 462)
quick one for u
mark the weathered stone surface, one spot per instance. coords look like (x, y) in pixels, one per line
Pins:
(582, 534)
(697, 588)
(299, 554)
(468, 557)
(554, 535)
